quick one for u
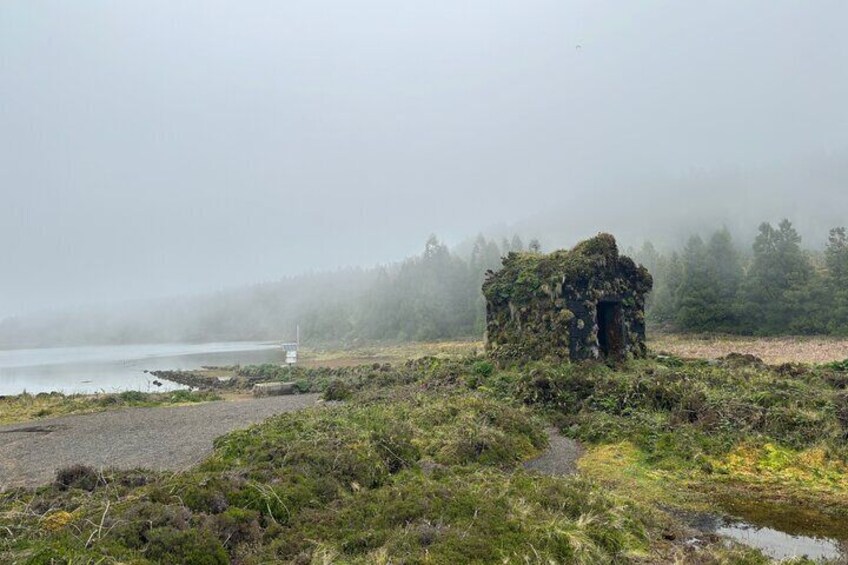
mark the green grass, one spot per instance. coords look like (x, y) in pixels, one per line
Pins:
(423, 464)
(423, 471)
(705, 427)
(26, 407)
(428, 477)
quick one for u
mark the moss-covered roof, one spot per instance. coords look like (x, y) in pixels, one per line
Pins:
(525, 275)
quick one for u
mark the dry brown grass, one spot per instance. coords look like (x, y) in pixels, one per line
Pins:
(27, 407)
(772, 350)
(394, 353)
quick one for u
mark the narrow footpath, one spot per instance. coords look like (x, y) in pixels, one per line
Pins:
(559, 459)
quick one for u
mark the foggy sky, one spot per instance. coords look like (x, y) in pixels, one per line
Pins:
(156, 148)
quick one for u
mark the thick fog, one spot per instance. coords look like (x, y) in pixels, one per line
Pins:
(150, 149)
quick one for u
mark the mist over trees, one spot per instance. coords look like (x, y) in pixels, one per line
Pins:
(430, 296)
(776, 288)
(708, 285)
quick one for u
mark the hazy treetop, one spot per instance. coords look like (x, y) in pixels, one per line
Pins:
(150, 148)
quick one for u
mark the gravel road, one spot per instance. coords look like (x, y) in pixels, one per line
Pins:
(161, 438)
(560, 458)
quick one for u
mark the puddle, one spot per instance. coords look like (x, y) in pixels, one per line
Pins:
(779, 530)
(801, 521)
(780, 545)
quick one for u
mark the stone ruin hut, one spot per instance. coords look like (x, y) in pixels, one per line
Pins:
(586, 303)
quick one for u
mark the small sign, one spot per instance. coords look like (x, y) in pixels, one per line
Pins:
(291, 353)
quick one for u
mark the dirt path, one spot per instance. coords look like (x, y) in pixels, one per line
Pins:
(560, 458)
(161, 438)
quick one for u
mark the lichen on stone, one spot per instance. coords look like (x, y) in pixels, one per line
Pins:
(545, 306)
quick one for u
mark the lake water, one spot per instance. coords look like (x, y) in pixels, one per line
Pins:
(120, 367)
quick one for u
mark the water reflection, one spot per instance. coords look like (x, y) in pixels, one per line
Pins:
(779, 530)
(780, 545)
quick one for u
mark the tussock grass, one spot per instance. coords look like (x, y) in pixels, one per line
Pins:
(26, 407)
(423, 471)
(702, 426)
(422, 464)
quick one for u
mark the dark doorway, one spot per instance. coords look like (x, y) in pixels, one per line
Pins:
(610, 329)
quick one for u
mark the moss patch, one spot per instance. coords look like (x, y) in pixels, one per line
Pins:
(544, 306)
(422, 463)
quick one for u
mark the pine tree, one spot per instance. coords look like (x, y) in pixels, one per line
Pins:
(665, 296)
(779, 266)
(836, 255)
(836, 258)
(649, 258)
(726, 273)
(698, 294)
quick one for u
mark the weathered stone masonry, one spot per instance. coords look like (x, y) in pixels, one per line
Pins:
(586, 303)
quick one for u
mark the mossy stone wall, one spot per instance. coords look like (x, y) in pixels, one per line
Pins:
(545, 306)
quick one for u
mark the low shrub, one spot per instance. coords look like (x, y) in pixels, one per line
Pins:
(77, 476)
(130, 396)
(337, 390)
(841, 366)
(133, 523)
(189, 547)
(236, 526)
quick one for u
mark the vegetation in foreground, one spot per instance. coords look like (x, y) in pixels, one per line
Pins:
(706, 429)
(25, 407)
(422, 464)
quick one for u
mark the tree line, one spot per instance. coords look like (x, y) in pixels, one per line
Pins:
(776, 287)
(430, 296)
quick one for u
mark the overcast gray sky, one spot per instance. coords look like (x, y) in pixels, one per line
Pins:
(156, 147)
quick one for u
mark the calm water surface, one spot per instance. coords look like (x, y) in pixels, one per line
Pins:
(780, 545)
(119, 367)
(780, 530)
(783, 531)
